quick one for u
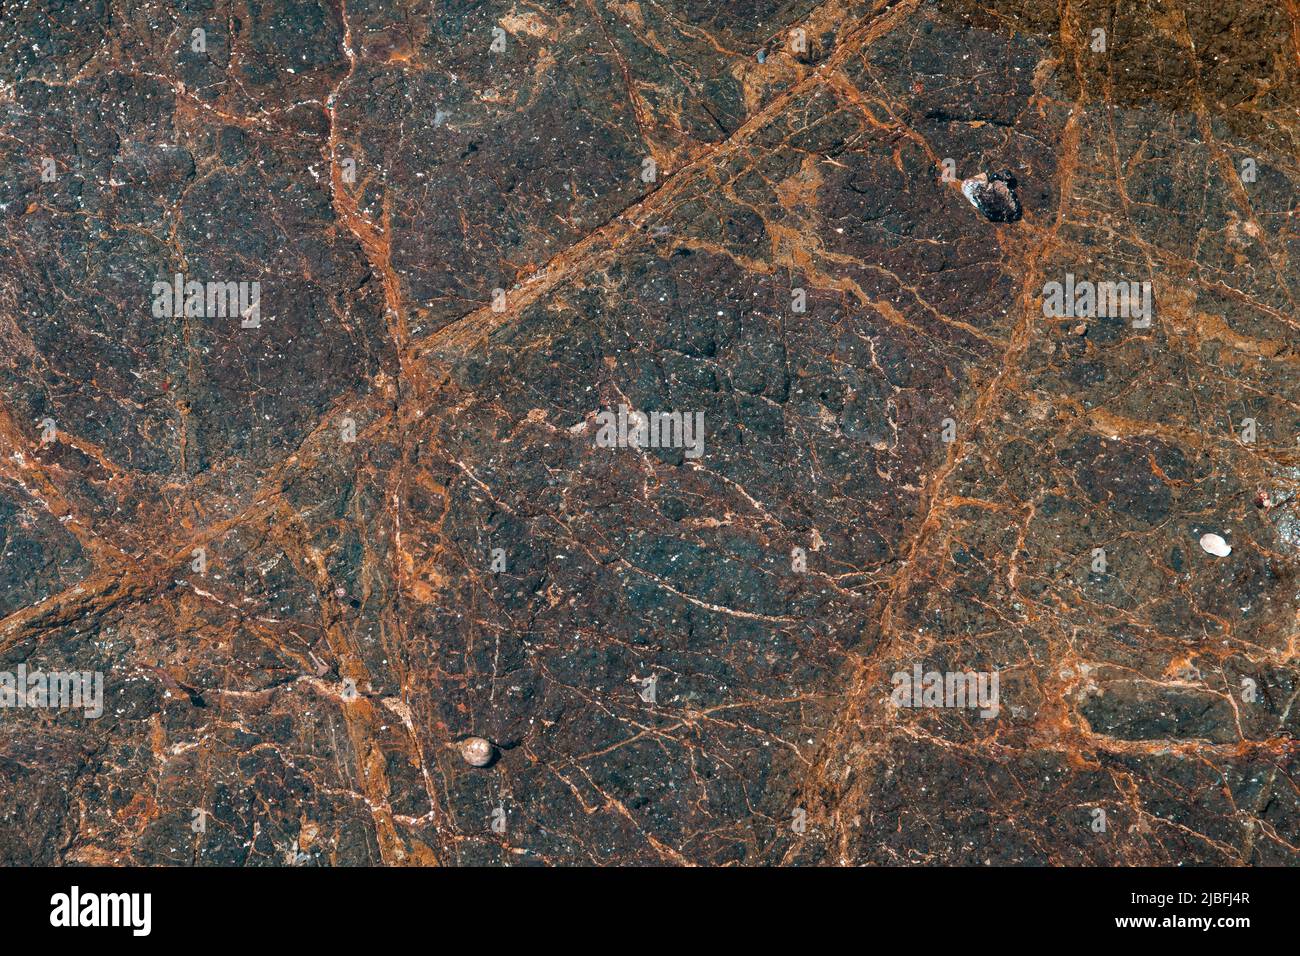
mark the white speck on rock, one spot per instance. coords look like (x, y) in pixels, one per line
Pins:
(1215, 545)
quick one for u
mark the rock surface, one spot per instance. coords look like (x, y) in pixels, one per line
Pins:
(312, 551)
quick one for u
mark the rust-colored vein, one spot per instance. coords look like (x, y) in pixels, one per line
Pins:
(599, 247)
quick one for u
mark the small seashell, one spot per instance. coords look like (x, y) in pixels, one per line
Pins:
(994, 196)
(1215, 545)
(477, 751)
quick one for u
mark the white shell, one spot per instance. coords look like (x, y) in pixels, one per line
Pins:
(1215, 545)
(477, 751)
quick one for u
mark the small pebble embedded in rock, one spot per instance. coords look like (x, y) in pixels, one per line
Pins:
(477, 751)
(1215, 545)
(994, 196)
